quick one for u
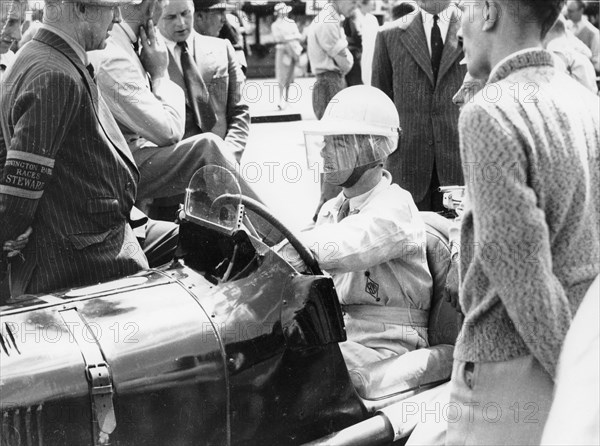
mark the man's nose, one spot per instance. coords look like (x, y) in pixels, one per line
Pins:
(16, 33)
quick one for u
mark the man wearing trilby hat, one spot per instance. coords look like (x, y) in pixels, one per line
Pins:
(66, 169)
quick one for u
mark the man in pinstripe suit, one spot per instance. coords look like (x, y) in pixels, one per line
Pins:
(66, 169)
(421, 86)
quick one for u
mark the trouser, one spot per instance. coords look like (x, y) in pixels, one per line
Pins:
(375, 333)
(160, 242)
(498, 403)
(433, 199)
(354, 76)
(327, 85)
(166, 171)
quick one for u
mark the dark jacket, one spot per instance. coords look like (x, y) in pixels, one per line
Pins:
(429, 119)
(67, 172)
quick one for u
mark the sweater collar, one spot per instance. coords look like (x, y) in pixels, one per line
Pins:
(529, 57)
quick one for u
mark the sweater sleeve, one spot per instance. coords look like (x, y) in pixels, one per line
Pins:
(511, 235)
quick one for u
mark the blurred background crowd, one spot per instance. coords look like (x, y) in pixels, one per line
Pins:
(249, 26)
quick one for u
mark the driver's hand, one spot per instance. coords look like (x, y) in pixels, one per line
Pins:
(290, 255)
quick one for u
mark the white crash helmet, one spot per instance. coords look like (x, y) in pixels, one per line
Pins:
(360, 128)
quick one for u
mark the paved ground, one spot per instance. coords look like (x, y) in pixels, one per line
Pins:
(263, 95)
(274, 161)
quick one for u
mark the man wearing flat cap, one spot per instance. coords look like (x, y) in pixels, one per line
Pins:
(66, 169)
(209, 16)
(217, 19)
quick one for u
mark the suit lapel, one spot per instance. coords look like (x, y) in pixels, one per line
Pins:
(452, 50)
(415, 41)
(204, 58)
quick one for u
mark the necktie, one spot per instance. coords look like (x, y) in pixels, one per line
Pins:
(197, 93)
(136, 47)
(437, 46)
(344, 210)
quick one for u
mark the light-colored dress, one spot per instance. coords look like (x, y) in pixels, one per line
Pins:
(287, 51)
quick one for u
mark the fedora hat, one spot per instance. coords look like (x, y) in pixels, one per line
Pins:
(282, 8)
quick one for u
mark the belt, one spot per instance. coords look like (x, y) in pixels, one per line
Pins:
(389, 315)
(329, 74)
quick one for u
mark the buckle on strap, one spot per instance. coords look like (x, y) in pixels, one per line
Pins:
(97, 373)
(99, 377)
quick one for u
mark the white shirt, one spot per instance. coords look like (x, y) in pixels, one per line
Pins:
(370, 28)
(443, 23)
(327, 46)
(175, 50)
(7, 60)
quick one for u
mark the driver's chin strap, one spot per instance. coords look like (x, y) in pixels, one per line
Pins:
(357, 173)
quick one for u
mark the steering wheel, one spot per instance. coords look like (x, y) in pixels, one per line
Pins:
(255, 206)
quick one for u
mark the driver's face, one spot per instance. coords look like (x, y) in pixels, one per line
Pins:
(339, 158)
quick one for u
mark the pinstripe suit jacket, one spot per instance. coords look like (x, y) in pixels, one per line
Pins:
(67, 172)
(429, 119)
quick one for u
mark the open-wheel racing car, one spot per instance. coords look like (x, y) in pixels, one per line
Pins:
(227, 344)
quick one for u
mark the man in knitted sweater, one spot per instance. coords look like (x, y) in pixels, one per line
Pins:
(530, 243)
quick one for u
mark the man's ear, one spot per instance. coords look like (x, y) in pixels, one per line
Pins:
(79, 10)
(491, 14)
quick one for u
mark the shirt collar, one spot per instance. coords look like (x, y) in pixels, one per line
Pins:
(524, 58)
(7, 58)
(581, 24)
(171, 44)
(79, 50)
(443, 21)
(133, 38)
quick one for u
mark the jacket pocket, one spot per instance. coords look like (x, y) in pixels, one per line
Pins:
(82, 241)
(102, 213)
(102, 205)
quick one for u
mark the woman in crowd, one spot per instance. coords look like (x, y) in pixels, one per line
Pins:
(288, 50)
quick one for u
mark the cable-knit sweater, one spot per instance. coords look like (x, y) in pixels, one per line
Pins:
(530, 234)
